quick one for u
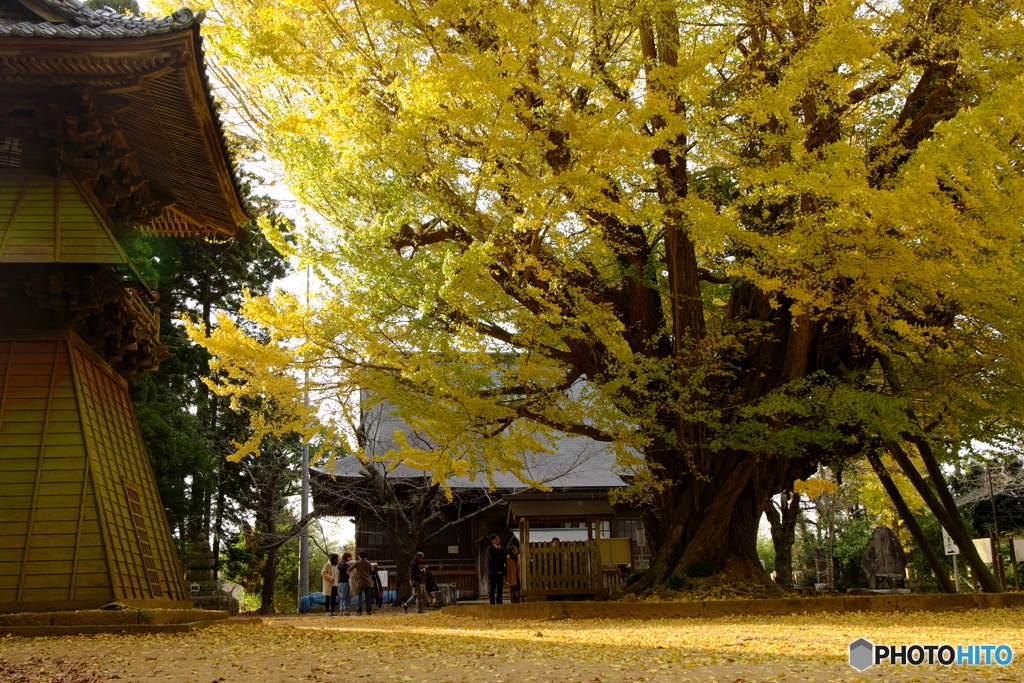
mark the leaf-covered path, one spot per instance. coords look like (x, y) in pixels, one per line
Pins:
(435, 647)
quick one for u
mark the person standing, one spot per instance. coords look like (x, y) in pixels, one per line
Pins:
(330, 583)
(513, 575)
(361, 582)
(416, 572)
(344, 588)
(496, 569)
(378, 587)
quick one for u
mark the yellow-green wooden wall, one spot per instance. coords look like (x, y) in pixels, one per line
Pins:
(46, 219)
(81, 521)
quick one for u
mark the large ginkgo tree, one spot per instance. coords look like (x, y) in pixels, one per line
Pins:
(733, 240)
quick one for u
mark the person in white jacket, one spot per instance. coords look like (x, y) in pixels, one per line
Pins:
(330, 576)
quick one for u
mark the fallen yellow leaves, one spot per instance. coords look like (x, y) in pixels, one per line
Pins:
(435, 647)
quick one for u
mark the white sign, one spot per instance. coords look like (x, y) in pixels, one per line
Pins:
(453, 550)
(948, 544)
(984, 546)
(382, 574)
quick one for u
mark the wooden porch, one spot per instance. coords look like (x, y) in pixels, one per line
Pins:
(573, 567)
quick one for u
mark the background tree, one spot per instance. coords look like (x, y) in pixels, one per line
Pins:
(972, 489)
(730, 239)
(783, 512)
(273, 478)
(413, 509)
(188, 431)
(119, 6)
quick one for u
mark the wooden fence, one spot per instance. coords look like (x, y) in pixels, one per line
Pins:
(568, 568)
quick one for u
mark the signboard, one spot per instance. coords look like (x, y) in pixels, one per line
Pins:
(453, 550)
(615, 551)
(948, 544)
(984, 547)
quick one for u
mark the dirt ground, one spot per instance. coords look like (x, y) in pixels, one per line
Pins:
(390, 646)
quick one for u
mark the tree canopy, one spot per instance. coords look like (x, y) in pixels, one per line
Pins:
(734, 239)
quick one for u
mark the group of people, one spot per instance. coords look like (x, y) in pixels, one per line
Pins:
(503, 569)
(345, 580)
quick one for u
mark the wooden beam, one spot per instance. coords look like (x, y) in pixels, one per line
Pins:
(87, 475)
(39, 470)
(56, 219)
(14, 214)
(90, 453)
(7, 380)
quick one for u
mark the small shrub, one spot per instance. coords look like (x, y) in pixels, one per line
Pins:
(700, 570)
(635, 576)
(675, 582)
(249, 602)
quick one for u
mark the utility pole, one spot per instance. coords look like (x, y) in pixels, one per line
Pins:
(304, 533)
(997, 551)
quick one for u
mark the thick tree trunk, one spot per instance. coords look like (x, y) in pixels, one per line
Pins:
(269, 514)
(710, 526)
(269, 581)
(707, 519)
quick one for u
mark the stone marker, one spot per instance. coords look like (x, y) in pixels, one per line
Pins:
(884, 560)
(821, 568)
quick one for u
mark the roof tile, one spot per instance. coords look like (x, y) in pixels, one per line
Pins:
(82, 22)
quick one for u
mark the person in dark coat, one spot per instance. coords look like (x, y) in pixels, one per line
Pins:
(416, 574)
(496, 569)
(343, 586)
(378, 588)
(362, 583)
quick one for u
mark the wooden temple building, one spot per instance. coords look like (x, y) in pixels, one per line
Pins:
(107, 125)
(595, 538)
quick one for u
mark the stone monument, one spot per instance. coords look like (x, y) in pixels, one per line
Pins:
(884, 561)
(206, 591)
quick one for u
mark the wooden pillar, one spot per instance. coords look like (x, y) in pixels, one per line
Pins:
(525, 557)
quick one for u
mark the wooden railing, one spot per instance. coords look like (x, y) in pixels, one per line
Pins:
(612, 579)
(569, 568)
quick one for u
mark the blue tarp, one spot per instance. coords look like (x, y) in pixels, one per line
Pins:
(311, 600)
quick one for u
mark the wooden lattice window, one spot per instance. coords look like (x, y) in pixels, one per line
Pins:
(145, 548)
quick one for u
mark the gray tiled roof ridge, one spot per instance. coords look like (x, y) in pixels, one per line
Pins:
(83, 22)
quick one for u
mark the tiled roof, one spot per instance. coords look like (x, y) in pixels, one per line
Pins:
(81, 22)
(70, 19)
(575, 462)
